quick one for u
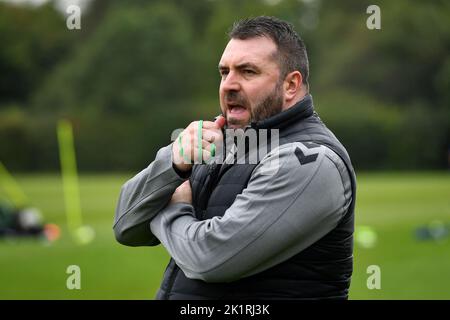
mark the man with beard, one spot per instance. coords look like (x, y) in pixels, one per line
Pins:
(266, 230)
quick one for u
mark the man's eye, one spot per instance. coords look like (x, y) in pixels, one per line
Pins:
(249, 71)
(223, 72)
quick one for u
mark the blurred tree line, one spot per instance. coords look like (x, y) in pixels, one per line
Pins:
(139, 69)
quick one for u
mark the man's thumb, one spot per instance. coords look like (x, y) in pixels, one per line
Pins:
(220, 121)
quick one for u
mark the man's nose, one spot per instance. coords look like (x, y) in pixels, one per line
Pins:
(230, 82)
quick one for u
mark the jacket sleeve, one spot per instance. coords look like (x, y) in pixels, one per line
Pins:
(295, 196)
(143, 197)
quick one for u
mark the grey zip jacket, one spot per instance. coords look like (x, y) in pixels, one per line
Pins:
(277, 216)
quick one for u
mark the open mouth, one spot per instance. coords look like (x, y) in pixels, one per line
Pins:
(236, 109)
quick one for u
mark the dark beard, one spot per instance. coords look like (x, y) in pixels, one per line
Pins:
(270, 106)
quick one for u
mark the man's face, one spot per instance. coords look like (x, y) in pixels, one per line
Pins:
(250, 89)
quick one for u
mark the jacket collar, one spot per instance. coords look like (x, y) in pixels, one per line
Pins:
(301, 110)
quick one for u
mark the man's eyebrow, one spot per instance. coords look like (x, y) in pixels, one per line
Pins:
(240, 66)
(247, 65)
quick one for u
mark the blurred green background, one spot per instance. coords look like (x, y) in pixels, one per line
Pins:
(139, 69)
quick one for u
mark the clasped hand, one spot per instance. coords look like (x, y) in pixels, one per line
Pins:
(195, 146)
(196, 143)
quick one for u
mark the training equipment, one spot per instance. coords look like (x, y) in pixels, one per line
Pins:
(12, 188)
(84, 235)
(81, 234)
(365, 236)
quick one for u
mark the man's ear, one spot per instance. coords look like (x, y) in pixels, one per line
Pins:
(292, 85)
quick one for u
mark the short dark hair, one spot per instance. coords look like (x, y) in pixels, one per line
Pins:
(291, 48)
